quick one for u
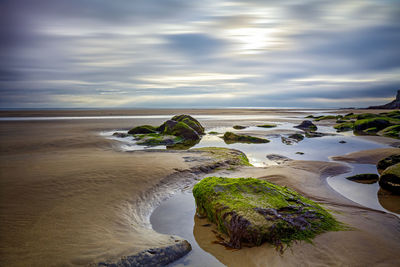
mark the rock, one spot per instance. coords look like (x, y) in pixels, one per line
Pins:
(252, 211)
(315, 134)
(267, 125)
(239, 127)
(191, 122)
(344, 127)
(180, 129)
(328, 117)
(390, 179)
(213, 133)
(298, 137)
(279, 159)
(391, 131)
(157, 140)
(144, 129)
(366, 178)
(120, 135)
(300, 153)
(342, 142)
(307, 126)
(153, 257)
(387, 162)
(395, 104)
(378, 123)
(230, 138)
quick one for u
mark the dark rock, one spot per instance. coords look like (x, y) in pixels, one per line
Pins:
(390, 179)
(230, 138)
(180, 129)
(153, 257)
(342, 142)
(387, 162)
(267, 125)
(279, 159)
(296, 136)
(307, 126)
(378, 123)
(144, 129)
(191, 122)
(239, 127)
(395, 104)
(300, 153)
(366, 178)
(120, 135)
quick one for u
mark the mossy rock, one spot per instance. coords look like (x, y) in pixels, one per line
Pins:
(390, 179)
(307, 126)
(252, 211)
(372, 130)
(156, 139)
(344, 127)
(391, 131)
(378, 122)
(296, 136)
(363, 116)
(328, 117)
(239, 127)
(393, 114)
(267, 125)
(365, 178)
(144, 129)
(190, 121)
(180, 129)
(231, 156)
(231, 138)
(120, 135)
(387, 162)
(213, 133)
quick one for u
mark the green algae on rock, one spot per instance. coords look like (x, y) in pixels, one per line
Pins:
(344, 127)
(231, 138)
(379, 123)
(181, 132)
(387, 162)
(390, 179)
(267, 125)
(230, 156)
(391, 131)
(239, 127)
(365, 178)
(252, 211)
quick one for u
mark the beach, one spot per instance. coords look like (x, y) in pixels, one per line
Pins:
(70, 196)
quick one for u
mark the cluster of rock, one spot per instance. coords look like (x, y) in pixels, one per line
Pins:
(181, 131)
(389, 170)
(383, 124)
(252, 211)
(395, 104)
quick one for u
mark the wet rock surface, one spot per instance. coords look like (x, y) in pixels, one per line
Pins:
(306, 126)
(252, 211)
(365, 178)
(231, 138)
(153, 257)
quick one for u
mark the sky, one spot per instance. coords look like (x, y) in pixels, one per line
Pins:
(200, 54)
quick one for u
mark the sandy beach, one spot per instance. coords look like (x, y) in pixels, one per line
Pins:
(69, 196)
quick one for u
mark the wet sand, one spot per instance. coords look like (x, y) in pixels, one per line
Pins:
(69, 197)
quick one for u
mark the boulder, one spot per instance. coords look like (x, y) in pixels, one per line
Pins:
(191, 122)
(307, 126)
(239, 127)
(390, 179)
(271, 125)
(120, 135)
(180, 129)
(144, 129)
(344, 127)
(252, 211)
(391, 131)
(365, 178)
(387, 162)
(230, 138)
(378, 123)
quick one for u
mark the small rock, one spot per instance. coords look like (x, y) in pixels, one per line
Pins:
(342, 142)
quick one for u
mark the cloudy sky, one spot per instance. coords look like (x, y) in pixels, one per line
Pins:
(209, 53)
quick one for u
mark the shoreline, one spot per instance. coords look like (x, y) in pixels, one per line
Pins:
(78, 201)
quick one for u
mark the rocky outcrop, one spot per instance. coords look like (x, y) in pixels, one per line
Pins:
(306, 126)
(252, 211)
(231, 138)
(395, 104)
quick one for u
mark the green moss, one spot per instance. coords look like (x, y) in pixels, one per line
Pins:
(214, 133)
(234, 157)
(297, 136)
(388, 161)
(239, 127)
(390, 179)
(144, 129)
(253, 211)
(231, 138)
(344, 127)
(371, 130)
(267, 125)
(190, 121)
(328, 117)
(378, 122)
(391, 131)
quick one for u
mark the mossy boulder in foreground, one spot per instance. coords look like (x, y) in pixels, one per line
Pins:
(252, 211)
(231, 138)
(390, 179)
